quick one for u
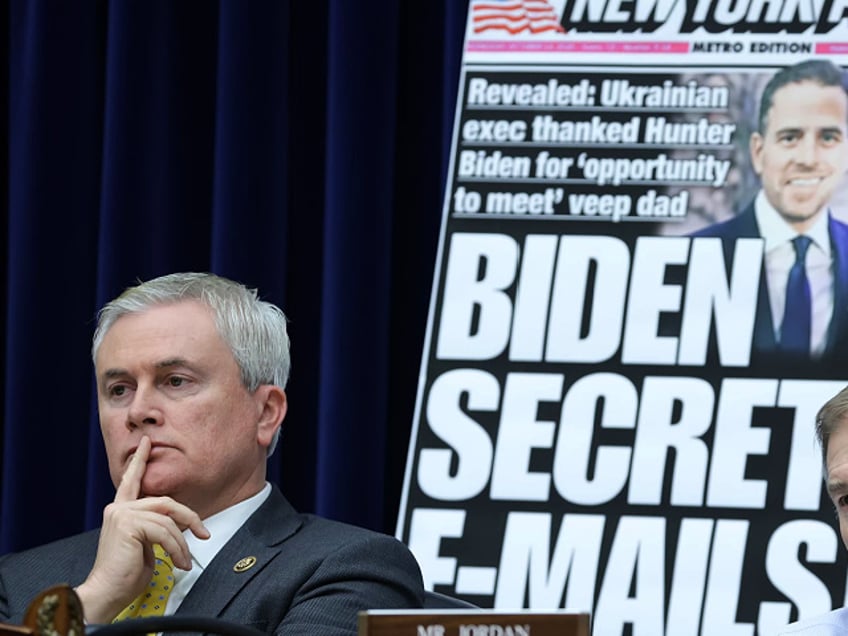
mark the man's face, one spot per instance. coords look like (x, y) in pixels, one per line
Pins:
(167, 373)
(802, 156)
(837, 476)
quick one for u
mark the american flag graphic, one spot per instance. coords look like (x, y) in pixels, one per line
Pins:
(514, 16)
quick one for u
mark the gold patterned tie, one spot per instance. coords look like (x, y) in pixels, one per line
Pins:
(153, 600)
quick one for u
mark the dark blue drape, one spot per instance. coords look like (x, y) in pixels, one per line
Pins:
(300, 147)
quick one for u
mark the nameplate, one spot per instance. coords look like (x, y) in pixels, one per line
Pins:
(483, 622)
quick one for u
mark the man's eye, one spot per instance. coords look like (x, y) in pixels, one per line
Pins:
(175, 381)
(118, 390)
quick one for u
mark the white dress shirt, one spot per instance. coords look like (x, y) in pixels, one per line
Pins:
(779, 258)
(831, 624)
(222, 526)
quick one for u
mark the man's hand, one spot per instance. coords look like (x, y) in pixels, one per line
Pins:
(124, 562)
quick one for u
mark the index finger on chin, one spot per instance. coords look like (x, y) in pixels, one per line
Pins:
(130, 486)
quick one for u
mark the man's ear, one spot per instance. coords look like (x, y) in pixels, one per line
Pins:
(273, 404)
(755, 146)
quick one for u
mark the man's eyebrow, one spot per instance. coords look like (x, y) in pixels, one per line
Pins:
(163, 364)
(113, 373)
(836, 486)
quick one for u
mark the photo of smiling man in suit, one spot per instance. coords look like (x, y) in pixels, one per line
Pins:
(800, 153)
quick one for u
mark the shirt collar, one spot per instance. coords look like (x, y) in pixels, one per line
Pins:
(776, 231)
(222, 526)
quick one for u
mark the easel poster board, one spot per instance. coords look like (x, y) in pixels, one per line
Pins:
(597, 425)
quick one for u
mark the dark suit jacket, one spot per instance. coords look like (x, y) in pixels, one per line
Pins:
(744, 225)
(311, 576)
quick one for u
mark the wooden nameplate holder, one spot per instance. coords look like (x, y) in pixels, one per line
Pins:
(473, 622)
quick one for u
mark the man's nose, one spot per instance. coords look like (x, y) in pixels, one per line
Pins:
(807, 152)
(143, 408)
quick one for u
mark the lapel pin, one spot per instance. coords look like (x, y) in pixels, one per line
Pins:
(244, 564)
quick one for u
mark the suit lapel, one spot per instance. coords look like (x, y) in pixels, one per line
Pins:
(839, 245)
(764, 340)
(260, 538)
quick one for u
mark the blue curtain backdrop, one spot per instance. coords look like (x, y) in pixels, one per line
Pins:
(300, 147)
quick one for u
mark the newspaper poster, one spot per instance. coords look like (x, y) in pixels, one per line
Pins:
(619, 383)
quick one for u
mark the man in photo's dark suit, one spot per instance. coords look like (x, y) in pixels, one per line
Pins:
(800, 152)
(191, 371)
